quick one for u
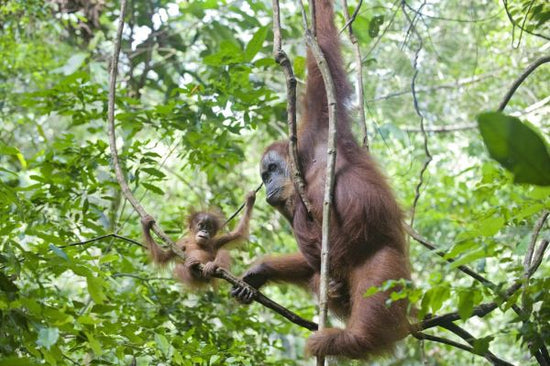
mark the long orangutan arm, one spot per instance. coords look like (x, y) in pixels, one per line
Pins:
(242, 230)
(290, 268)
(159, 255)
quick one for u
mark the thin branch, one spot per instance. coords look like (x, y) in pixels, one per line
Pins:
(436, 321)
(442, 129)
(470, 272)
(530, 250)
(220, 272)
(505, 2)
(135, 242)
(480, 311)
(539, 255)
(359, 81)
(462, 333)
(350, 20)
(322, 64)
(282, 59)
(112, 136)
(428, 337)
(458, 20)
(419, 113)
(267, 302)
(240, 207)
(430, 89)
(521, 79)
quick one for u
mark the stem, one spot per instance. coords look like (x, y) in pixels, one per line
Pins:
(282, 59)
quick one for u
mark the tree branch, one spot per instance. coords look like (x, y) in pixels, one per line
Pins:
(462, 333)
(419, 113)
(470, 272)
(521, 79)
(528, 260)
(113, 235)
(241, 207)
(359, 64)
(428, 337)
(322, 64)
(220, 273)
(282, 59)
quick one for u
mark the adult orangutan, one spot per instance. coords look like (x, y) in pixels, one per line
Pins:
(367, 240)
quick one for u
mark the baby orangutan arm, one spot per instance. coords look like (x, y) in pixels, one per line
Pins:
(242, 230)
(159, 255)
(222, 260)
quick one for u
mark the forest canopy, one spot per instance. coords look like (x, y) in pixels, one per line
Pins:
(456, 106)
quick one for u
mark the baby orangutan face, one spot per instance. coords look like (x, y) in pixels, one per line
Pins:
(204, 227)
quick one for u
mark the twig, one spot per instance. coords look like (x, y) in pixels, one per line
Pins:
(521, 79)
(539, 255)
(220, 273)
(135, 242)
(350, 20)
(530, 250)
(359, 82)
(112, 136)
(442, 129)
(453, 85)
(419, 113)
(428, 337)
(282, 59)
(241, 207)
(462, 333)
(470, 272)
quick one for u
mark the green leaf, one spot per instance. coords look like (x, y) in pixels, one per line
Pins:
(154, 172)
(299, 65)
(162, 343)
(374, 25)
(517, 147)
(95, 288)
(255, 44)
(16, 361)
(94, 344)
(490, 226)
(153, 188)
(440, 294)
(472, 256)
(8, 150)
(481, 345)
(47, 337)
(59, 252)
(465, 304)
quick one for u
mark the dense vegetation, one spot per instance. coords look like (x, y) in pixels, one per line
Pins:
(199, 97)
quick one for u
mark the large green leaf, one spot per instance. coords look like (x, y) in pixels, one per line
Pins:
(255, 44)
(517, 147)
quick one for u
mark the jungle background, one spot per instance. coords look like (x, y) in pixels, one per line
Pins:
(198, 99)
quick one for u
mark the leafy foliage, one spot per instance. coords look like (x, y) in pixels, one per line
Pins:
(199, 98)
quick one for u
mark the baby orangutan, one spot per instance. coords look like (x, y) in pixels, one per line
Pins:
(201, 246)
